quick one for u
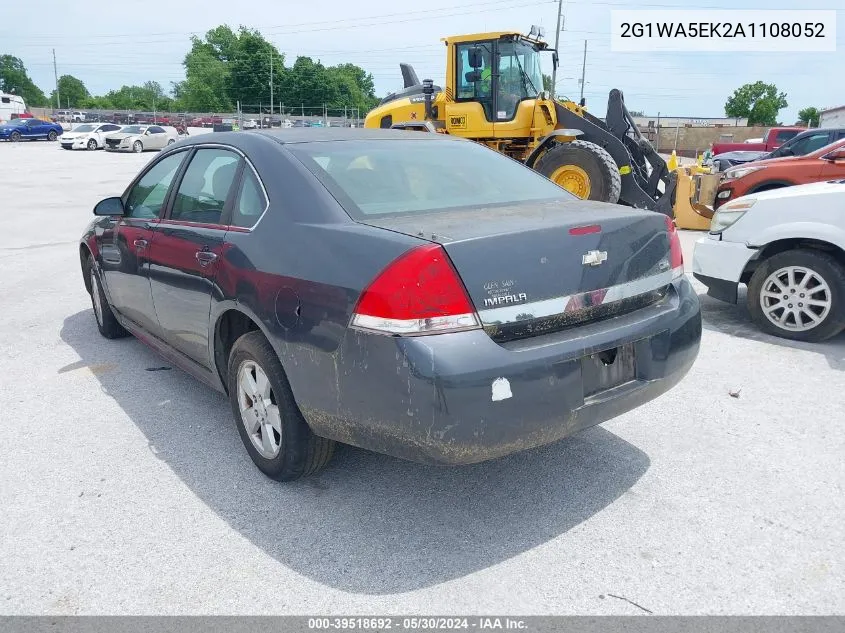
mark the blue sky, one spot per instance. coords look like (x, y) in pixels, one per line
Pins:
(148, 40)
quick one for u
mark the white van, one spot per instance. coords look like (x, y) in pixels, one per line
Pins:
(10, 104)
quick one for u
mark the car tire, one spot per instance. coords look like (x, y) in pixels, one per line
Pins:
(285, 453)
(92, 144)
(107, 323)
(808, 270)
(585, 169)
(15, 137)
(52, 136)
(137, 147)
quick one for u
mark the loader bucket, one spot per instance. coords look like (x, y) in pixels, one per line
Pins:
(695, 193)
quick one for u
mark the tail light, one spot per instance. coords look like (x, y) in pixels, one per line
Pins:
(418, 293)
(676, 255)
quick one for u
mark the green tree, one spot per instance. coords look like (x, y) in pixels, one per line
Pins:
(227, 66)
(758, 102)
(547, 82)
(14, 78)
(809, 116)
(72, 92)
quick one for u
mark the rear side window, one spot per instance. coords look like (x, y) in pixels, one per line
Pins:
(250, 203)
(205, 186)
(401, 176)
(5, 99)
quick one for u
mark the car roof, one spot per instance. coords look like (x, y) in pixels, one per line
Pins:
(816, 130)
(307, 135)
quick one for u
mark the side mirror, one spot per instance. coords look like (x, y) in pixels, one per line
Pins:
(109, 206)
(473, 76)
(835, 155)
(475, 60)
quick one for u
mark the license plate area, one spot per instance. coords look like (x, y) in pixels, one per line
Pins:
(608, 369)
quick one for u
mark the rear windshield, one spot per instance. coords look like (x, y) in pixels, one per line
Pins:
(398, 176)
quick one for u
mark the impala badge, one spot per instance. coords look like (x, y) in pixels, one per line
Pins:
(594, 258)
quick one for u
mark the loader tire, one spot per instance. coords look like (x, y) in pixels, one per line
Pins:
(584, 169)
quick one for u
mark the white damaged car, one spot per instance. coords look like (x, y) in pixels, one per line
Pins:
(89, 136)
(788, 246)
(140, 138)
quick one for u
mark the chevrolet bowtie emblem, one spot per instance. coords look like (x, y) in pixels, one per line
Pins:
(594, 258)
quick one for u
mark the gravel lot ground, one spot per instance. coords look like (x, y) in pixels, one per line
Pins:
(127, 491)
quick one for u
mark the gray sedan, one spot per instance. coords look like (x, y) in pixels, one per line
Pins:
(413, 294)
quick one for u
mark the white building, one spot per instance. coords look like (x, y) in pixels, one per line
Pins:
(676, 121)
(832, 117)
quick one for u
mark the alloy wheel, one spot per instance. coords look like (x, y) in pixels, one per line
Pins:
(95, 297)
(795, 298)
(259, 409)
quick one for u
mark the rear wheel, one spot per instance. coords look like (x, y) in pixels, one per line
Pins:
(799, 295)
(584, 169)
(52, 136)
(272, 428)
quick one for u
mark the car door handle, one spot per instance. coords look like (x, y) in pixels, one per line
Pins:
(140, 244)
(205, 257)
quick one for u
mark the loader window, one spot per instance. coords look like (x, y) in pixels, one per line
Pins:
(475, 84)
(520, 77)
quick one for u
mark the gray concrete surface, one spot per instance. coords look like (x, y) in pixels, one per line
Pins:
(127, 491)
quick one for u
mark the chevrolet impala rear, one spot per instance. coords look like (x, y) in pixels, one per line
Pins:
(516, 315)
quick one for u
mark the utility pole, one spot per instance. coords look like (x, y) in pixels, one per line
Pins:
(56, 75)
(557, 41)
(271, 89)
(583, 69)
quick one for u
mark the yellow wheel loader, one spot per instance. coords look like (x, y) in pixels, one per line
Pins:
(494, 95)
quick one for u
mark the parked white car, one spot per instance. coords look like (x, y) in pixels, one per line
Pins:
(250, 124)
(140, 138)
(89, 136)
(788, 246)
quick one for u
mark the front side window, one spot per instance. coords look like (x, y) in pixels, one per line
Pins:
(473, 83)
(156, 130)
(205, 186)
(391, 177)
(810, 144)
(147, 197)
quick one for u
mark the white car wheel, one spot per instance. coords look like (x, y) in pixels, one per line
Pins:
(137, 147)
(799, 295)
(92, 144)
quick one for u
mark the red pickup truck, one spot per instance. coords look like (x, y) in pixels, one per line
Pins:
(774, 138)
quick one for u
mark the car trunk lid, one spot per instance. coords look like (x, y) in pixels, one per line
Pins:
(537, 267)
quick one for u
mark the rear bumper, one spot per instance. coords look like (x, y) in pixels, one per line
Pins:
(462, 398)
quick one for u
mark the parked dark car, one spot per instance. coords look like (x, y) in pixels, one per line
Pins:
(30, 130)
(804, 143)
(416, 295)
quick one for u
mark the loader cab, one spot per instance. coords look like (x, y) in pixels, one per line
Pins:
(492, 77)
